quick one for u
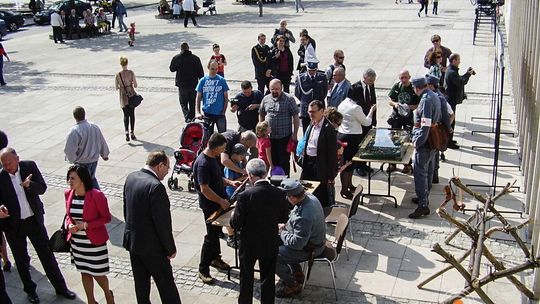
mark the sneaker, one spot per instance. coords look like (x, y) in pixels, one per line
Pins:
(231, 243)
(420, 212)
(391, 167)
(289, 291)
(220, 264)
(206, 278)
(407, 169)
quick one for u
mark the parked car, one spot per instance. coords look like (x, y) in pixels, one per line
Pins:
(13, 20)
(44, 17)
(3, 29)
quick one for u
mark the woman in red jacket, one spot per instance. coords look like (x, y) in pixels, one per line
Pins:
(87, 213)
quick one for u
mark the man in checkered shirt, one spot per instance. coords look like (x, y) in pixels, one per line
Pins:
(279, 109)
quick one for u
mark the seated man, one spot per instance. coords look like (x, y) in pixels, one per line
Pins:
(303, 236)
(164, 7)
(89, 23)
(73, 25)
(102, 22)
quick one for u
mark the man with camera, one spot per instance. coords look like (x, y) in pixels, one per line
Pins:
(454, 85)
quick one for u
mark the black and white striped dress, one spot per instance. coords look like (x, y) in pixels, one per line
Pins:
(88, 258)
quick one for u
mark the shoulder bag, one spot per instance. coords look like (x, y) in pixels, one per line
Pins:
(133, 100)
(58, 241)
(438, 137)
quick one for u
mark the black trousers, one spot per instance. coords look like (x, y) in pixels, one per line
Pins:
(57, 34)
(453, 124)
(36, 232)
(129, 118)
(114, 16)
(285, 78)
(188, 14)
(211, 249)
(263, 83)
(309, 172)
(4, 298)
(280, 157)
(159, 268)
(305, 123)
(187, 102)
(267, 267)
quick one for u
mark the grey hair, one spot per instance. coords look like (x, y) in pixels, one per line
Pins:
(249, 136)
(8, 150)
(256, 167)
(370, 73)
(340, 71)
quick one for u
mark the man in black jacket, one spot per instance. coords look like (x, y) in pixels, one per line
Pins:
(148, 233)
(258, 212)
(21, 184)
(188, 70)
(260, 56)
(454, 85)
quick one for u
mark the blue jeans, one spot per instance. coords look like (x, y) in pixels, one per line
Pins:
(121, 22)
(92, 169)
(424, 165)
(288, 262)
(298, 3)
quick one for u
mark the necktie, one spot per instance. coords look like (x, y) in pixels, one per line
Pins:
(334, 90)
(367, 96)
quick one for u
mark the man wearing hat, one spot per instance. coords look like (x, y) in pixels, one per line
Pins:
(310, 85)
(403, 101)
(447, 116)
(258, 211)
(427, 113)
(303, 235)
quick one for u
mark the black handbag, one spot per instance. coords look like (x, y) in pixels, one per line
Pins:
(134, 100)
(58, 241)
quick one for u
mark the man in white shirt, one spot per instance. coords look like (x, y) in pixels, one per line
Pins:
(21, 184)
(85, 144)
(57, 25)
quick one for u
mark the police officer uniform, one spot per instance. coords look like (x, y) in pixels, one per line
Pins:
(427, 113)
(309, 88)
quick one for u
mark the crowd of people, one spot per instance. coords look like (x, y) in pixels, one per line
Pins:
(335, 115)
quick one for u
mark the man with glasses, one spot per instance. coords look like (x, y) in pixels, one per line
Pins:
(339, 57)
(437, 46)
(148, 233)
(319, 161)
(403, 101)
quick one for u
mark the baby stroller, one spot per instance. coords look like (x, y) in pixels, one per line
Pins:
(193, 140)
(210, 7)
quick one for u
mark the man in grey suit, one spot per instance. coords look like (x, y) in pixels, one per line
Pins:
(340, 88)
(148, 233)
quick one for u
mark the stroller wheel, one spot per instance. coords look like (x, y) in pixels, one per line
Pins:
(172, 183)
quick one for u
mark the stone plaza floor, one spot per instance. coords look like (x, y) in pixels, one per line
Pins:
(390, 253)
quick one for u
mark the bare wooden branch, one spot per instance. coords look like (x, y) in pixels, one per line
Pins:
(456, 232)
(442, 271)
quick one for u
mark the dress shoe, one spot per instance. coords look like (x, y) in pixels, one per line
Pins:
(289, 291)
(435, 180)
(346, 194)
(419, 212)
(127, 136)
(453, 146)
(352, 189)
(220, 264)
(7, 266)
(407, 169)
(391, 168)
(68, 294)
(206, 278)
(443, 157)
(33, 297)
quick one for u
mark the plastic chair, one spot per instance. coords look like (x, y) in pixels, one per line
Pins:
(331, 254)
(349, 211)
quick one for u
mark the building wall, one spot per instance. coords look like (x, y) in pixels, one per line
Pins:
(523, 32)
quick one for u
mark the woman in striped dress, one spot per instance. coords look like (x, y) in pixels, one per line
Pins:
(87, 213)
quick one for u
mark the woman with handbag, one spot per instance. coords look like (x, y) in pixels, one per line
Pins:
(126, 83)
(87, 213)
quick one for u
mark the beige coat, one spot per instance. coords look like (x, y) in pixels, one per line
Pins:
(130, 83)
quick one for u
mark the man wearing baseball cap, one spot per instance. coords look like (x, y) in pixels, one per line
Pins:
(302, 235)
(427, 113)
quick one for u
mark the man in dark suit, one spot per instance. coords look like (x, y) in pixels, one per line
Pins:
(148, 233)
(320, 153)
(260, 56)
(21, 184)
(363, 92)
(4, 297)
(258, 211)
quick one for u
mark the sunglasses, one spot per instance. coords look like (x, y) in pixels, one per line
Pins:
(438, 57)
(342, 57)
(433, 41)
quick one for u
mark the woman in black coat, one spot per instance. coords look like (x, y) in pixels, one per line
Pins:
(282, 63)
